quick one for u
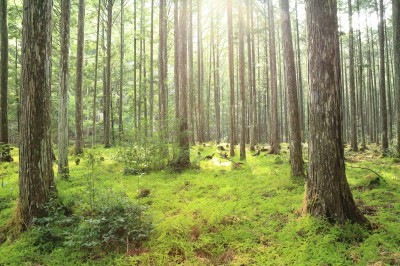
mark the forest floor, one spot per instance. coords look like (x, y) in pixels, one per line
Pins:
(222, 215)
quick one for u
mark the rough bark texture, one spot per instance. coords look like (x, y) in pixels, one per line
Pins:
(327, 192)
(36, 177)
(191, 75)
(63, 170)
(162, 69)
(4, 72)
(231, 81)
(121, 75)
(151, 100)
(382, 87)
(296, 157)
(242, 89)
(200, 75)
(354, 145)
(176, 57)
(396, 53)
(184, 155)
(95, 75)
(274, 86)
(79, 79)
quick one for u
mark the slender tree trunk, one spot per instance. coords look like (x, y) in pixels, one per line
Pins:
(231, 81)
(191, 76)
(107, 96)
(176, 57)
(296, 156)
(63, 169)
(4, 72)
(200, 75)
(95, 76)
(217, 109)
(396, 54)
(389, 92)
(300, 77)
(251, 131)
(79, 79)
(385, 143)
(328, 194)
(242, 88)
(274, 90)
(151, 93)
(184, 155)
(135, 101)
(121, 76)
(36, 176)
(162, 69)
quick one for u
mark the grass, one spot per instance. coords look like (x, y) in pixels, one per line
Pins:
(216, 215)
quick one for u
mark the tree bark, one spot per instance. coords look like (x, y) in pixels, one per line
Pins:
(162, 70)
(396, 54)
(176, 57)
(95, 76)
(151, 96)
(191, 76)
(79, 79)
(231, 81)
(242, 87)
(36, 176)
(200, 75)
(296, 156)
(63, 169)
(328, 194)
(107, 94)
(121, 76)
(4, 73)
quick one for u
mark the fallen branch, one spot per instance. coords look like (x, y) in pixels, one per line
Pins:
(365, 168)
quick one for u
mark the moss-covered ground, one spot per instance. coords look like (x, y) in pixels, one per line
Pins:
(219, 214)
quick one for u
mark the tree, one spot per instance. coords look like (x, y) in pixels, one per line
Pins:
(4, 72)
(231, 81)
(79, 79)
(328, 194)
(200, 75)
(184, 154)
(151, 113)
(63, 169)
(191, 74)
(296, 157)
(162, 69)
(176, 57)
(36, 177)
(242, 89)
(95, 75)
(396, 53)
(274, 86)
(121, 75)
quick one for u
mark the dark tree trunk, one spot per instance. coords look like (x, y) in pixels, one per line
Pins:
(79, 79)
(135, 102)
(4, 73)
(121, 76)
(63, 169)
(300, 78)
(95, 76)
(36, 176)
(328, 194)
(296, 157)
(396, 54)
(191, 76)
(231, 81)
(200, 75)
(151, 96)
(107, 94)
(242, 88)
(274, 87)
(176, 57)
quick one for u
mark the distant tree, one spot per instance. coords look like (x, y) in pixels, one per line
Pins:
(191, 75)
(231, 81)
(95, 75)
(63, 169)
(296, 155)
(242, 88)
(328, 194)
(396, 53)
(162, 69)
(4, 72)
(36, 177)
(79, 79)
(121, 75)
(200, 75)
(176, 57)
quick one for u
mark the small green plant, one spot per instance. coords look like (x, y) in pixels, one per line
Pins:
(5, 153)
(92, 159)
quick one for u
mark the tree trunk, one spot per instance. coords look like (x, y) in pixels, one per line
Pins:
(396, 54)
(191, 75)
(63, 169)
(296, 157)
(300, 77)
(4, 73)
(162, 70)
(328, 194)
(242, 87)
(200, 75)
(36, 176)
(151, 96)
(121, 76)
(107, 95)
(274, 87)
(176, 57)
(135, 102)
(79, 79)
(231, 81)
(95, 76)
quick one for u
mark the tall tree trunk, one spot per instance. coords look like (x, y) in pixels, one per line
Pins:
(151, 96)
(107, 95)
(79, 79)
(36, 176)
(191, 76)
(274, 87)
(217, 108)
(382, 88)
(200, 75)
(251, 131)
(121, 76)
(242, 88)
(296, 156)
(396, 54)
(328, 194)
(4, 73)
(162, 69)
(231, 81)
(176, 57)
(63, 169)
(95, 76)
(389, 93)
(354, 144)
(135, 103)
(300, 77)
(184, 154)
